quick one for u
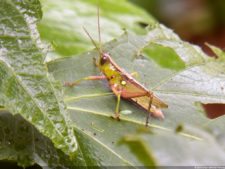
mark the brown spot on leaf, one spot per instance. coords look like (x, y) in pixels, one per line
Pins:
(214, 110)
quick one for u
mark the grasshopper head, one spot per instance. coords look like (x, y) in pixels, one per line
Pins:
(104, 58)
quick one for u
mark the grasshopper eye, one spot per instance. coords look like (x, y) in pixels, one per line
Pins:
(104, 59)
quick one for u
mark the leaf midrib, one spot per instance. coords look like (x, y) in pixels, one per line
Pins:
(135, 122)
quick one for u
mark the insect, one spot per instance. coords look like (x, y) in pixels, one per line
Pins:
(122, 84)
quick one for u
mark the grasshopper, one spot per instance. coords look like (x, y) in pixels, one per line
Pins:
(122, 84)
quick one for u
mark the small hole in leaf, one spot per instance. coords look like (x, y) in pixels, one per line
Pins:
(214, 110)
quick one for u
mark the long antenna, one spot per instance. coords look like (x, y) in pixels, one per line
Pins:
(99, 32)
(92, 40)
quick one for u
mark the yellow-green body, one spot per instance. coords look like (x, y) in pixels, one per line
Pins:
(124, 85)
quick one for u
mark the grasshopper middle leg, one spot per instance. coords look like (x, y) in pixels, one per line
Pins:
(117, 115)
(117, 110)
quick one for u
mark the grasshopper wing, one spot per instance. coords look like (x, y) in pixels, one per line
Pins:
(156, 106)
(144, 101)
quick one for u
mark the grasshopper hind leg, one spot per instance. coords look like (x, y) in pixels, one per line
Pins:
(147, 119)
(74, 83)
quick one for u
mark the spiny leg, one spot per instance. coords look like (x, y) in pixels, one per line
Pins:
(71, 84)
(149, 108)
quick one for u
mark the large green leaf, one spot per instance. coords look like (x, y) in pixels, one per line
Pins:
(21, 142)
(63, 21)
(25, 86)
(184, 77)
(199, 79)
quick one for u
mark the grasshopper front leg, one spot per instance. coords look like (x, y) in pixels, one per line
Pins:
(71, 84)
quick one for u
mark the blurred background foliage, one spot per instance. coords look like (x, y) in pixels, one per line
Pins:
(197, 21)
